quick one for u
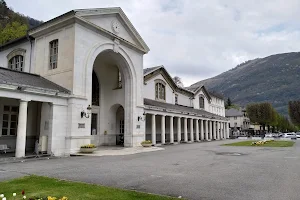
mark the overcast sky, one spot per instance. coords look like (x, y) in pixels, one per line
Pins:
(195, 39)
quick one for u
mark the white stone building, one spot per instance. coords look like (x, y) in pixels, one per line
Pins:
(79, 79)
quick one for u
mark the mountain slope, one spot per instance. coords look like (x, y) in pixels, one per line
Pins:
(275, 79)
(12, 24)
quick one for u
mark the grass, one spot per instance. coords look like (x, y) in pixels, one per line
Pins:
(37, 186)
(269, 144)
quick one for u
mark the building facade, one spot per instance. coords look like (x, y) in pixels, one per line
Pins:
(238, 121)
(79, 79)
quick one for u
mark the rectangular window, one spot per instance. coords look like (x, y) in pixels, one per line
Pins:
(10, 120)
(53, 48)
(235, 117)
(176, 98)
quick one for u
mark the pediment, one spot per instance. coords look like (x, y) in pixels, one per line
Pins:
(114, 21)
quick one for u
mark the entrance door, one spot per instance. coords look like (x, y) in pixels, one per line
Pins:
(94, 124)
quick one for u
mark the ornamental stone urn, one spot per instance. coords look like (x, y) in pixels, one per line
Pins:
(87, 150)
(146, 145)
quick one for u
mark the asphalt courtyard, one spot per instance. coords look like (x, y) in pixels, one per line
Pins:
(197, 171)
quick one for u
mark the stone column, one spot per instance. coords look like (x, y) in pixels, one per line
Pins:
(217, 130)
(197, 130)
(214, 130)
(210, 130)
(192, 129)
(178, 129)
(21, 130)
(163, 129)
(171, 130)
(227, 129)
(201, 130)
(185, 130)
(206, 130)
(153, 134)
(221, 131)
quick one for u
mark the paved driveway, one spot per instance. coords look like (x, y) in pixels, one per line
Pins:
(195, 171)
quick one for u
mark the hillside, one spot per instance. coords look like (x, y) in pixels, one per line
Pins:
(12, 24)
(275, 79)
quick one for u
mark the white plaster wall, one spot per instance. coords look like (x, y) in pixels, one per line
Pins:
(184, 100)
(206, 102)
(105, 21)
(217, 106)
(24, 45)
(63, 74)
(238, 120)
(149, 89)
(57, 139)
(87, 42)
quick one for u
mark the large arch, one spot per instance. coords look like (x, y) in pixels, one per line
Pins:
(104, 61)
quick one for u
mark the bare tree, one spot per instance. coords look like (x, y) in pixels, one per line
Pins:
(178, 82)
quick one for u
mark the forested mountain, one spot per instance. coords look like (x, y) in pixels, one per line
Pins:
(12, 24)
(275, 79)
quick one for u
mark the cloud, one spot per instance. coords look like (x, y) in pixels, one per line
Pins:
(196, 39)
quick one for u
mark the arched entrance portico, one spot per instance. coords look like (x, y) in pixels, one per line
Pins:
(111, 98)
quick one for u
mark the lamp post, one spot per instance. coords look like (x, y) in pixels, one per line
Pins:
(87, 113)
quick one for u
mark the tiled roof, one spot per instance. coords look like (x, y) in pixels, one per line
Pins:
(150, 69)
(24, 79)
(193, 88)
(232, 112)
(149, 102)
(220, 96)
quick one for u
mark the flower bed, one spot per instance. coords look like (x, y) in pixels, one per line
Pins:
(261, 142)
(88, 146)
(14, 196)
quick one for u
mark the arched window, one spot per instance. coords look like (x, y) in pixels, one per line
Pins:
(160, 91)
(201, 102)
(16, 63)
(95, 90)
(16, 59)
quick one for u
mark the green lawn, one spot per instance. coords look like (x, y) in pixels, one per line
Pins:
(37, 186)
(269, 144)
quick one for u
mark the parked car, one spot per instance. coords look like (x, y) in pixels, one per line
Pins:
(298, 134)
(269, 135)
(289, 135)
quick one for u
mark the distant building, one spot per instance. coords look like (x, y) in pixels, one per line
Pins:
(239, 121)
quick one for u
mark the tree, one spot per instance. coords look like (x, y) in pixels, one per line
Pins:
(228, 103)
(262, 113)
(294, 112)
(12, 31)
(178, 81)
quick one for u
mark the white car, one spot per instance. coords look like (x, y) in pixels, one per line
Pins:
(289, 135)
(298, 134)
(269, 135)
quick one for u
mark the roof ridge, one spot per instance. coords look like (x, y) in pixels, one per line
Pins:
(21, 72)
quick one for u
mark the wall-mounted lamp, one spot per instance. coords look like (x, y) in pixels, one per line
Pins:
(87, 113)
(140, 118)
